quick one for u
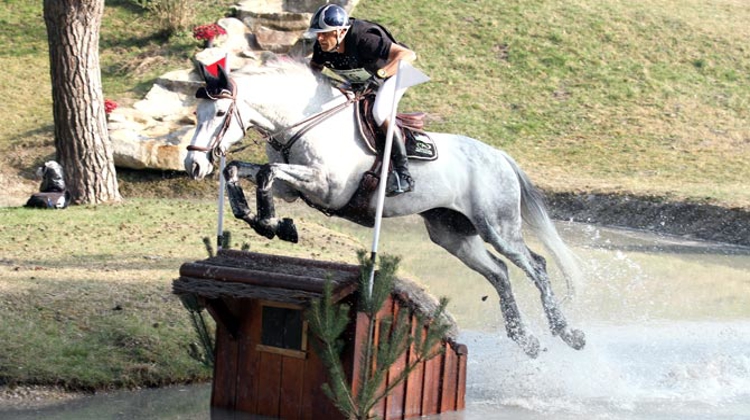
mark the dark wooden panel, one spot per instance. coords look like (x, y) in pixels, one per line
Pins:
(248, 367)
(270, 384)
(450, 380)
(292, 378)
(413, 397)
(315, 404)
(225, 364)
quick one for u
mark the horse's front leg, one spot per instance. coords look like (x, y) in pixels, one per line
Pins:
(263, 223)
(284, 228)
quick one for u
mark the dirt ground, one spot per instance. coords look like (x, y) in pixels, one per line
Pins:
(694, 220)
(690, 220)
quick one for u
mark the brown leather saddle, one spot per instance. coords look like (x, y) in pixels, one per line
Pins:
(418, 144)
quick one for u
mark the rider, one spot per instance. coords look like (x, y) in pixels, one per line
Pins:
(345, 43)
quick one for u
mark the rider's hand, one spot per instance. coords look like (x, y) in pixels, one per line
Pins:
(374, 82)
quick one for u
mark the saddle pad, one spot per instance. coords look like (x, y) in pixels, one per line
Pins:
(419, 145)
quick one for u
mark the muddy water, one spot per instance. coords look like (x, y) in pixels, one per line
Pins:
(667, 323)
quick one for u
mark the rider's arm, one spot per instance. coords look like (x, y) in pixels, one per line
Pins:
(397, 53)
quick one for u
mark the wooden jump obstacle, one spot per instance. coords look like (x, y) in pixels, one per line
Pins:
(265, 363)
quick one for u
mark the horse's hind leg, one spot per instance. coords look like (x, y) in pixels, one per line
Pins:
(534, 265)
(558, 325)
(455, 233)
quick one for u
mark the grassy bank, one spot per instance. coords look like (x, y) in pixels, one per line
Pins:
(85, 293)
(640, 97)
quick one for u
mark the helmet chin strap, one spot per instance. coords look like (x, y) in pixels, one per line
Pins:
(339, 37)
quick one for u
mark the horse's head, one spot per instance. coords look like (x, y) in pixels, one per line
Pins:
(219, 123)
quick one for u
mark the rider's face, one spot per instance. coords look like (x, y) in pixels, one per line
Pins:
(328, 40)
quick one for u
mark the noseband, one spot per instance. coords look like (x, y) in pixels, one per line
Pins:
(213, 145)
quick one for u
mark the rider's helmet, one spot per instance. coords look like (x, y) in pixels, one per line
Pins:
(328, 18)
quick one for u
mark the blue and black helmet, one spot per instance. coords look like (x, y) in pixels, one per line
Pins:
(328, 18)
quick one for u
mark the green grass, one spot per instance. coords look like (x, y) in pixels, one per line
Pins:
(647, 98)
(640, 97)
(86, 293)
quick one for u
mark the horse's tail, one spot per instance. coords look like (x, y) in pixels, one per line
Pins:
(534, 214)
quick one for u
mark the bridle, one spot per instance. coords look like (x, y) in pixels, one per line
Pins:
(213, 144)
(213, 150)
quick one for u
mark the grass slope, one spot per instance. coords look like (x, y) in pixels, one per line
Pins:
(86, 293)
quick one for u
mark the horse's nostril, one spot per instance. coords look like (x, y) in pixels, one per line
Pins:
(195, 170)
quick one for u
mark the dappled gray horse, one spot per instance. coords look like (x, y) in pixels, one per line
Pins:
(472, 195)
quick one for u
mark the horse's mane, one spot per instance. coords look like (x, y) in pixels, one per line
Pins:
(283, 66)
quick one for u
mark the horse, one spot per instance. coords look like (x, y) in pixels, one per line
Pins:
(472, 195)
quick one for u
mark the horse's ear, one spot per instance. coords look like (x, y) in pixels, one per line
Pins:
(214, 84)
(223, 78)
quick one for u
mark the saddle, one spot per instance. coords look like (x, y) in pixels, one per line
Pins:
(418, 146)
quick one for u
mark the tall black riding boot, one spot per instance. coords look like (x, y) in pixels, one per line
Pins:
(399, 180)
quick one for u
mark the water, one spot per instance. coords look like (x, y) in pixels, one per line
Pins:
(667, 322)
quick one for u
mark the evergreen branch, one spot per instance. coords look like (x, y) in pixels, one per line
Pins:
(328, 321)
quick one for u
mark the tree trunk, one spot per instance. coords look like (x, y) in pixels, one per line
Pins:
(81, 137)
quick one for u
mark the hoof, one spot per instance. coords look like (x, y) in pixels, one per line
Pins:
(530, 345)
(574, 338)
(287, 231)
(262, 227)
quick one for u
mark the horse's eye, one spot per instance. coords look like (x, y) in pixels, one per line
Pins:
(221, 113)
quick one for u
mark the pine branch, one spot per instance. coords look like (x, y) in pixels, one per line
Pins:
(328, 321)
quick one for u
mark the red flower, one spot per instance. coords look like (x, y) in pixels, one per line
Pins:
(109, 106)
(208, 32)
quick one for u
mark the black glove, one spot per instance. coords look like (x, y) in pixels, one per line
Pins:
(374, 82)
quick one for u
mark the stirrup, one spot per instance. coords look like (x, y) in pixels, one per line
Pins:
(398, 184)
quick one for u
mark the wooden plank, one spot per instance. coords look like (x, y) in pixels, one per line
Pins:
(385, 311)
(315, 404)
(394, 404)
(413, 397)
(270, 384)
(248, 369)
(450, 380)
(431, 381)
(313, 378)
(292, 378)
(461, 387)
(357, 347)
(223, 315)
(225, 365)
(252, 277)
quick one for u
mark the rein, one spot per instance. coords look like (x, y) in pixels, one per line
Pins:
(307, 124)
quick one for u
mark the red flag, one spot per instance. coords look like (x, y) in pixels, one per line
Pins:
(214, 68)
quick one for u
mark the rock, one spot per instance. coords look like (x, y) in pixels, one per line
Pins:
(155, 132)
(275, 41)
(236, 39)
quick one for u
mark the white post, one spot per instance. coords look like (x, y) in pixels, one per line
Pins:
(222, 164)
(384, 179)
(220, 224)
